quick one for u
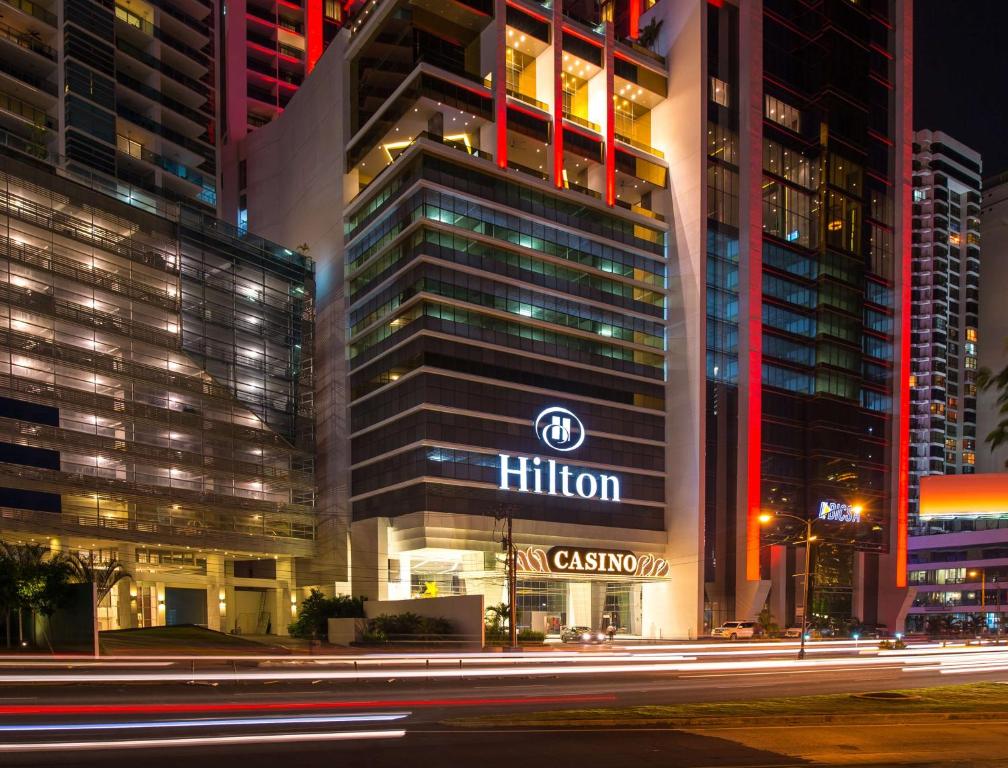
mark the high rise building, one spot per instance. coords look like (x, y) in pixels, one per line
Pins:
(269, 47)
(945, 309)
(993, 318)
(637, 276)
(155, 399)
(125, 91)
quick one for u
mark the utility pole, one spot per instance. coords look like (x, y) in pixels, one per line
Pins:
(507, 512)
(512, 581)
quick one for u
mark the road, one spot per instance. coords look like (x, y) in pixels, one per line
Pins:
(391, 710)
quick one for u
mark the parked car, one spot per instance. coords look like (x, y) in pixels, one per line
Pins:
(581, 635)
(735, 630)
(793, 633)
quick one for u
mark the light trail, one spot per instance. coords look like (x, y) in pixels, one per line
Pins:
(199, 741)
(204, 723)
(474, 672)
(274, 706)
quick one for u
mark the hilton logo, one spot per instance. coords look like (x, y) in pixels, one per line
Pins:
(560, 430)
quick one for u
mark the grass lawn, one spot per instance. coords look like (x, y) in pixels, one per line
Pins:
(185, 639)
(976, 700)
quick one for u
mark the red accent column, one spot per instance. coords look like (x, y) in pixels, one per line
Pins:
(558, 144)
(635, 14)
(313, 33)
(610, 139)
(903, 187)
(500, 81)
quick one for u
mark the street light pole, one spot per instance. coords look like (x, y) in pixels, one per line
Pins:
(808, 575)
(809, 538)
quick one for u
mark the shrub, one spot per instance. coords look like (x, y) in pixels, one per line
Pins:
(531, 636)
(409, 624)
(892, 645)
(316, 610)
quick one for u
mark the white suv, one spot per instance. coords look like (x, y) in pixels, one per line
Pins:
(733, 630)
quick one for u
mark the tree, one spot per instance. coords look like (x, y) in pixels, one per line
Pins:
(649, 34)
(8, 592)
(986, 379)
(766, 622)
(316, 610)
(40, 582)
(104, 575)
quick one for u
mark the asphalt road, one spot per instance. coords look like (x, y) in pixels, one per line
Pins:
(393, 720)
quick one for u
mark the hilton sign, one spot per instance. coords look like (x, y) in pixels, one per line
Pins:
(560, 430)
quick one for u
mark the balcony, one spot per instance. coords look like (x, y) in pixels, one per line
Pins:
(27, 41)
(34, 10)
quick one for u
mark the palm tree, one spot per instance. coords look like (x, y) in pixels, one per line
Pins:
(649, 34)
(104, 575)
(986, 379)
(39, 581)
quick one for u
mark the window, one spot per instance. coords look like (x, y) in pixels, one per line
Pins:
(790, 214)
(971, 334)
(782, 114)
(843, 223)
(919, 195)
(722, 144)
(969, 457)
(722, 195)
(719, 92)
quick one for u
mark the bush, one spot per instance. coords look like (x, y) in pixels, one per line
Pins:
(892, 645)
(408, 624)
(316, 610)
(531, 636)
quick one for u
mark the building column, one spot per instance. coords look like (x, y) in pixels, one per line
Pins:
(217, 604)
(369, 558)
(158, 610)
(779, 582)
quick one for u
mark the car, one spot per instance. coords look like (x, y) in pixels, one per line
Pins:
(735, 630)
(581, 635)
(792, 633)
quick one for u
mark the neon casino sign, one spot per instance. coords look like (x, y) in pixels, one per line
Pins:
(560, 430)
(838, 512)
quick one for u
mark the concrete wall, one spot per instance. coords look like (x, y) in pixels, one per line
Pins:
(993, 337)
(679, 130)
(465, 612)
(295, 170)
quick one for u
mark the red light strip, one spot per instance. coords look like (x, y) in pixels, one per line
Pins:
(500, 82)
(273, 706)
(902, 421)
(313, 32)
(558, 128)
(610, 149)
(635, 12)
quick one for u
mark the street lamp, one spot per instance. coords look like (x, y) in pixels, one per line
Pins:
(809, 538)
(982, 572)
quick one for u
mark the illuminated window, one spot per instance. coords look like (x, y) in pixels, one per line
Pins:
(971, 334)
(913, 379)
(782, 113)
(970, 362)
(719, 92)
(969, 457)
(919, 195)
(332, 10)
(954, 238)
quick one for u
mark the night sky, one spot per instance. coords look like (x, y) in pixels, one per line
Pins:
(961, 74)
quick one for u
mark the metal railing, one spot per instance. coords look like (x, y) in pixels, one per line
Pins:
(27, 41)
(33, 9)
(640, 145)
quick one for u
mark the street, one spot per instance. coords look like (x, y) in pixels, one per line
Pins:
(397, 709)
